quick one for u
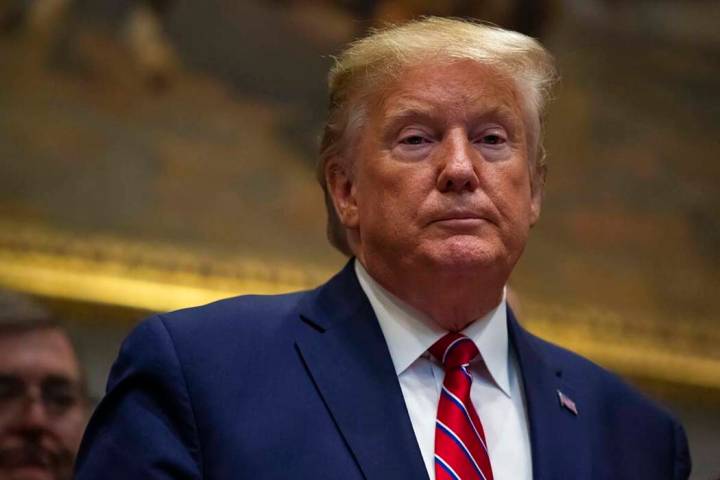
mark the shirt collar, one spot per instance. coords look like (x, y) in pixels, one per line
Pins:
(409, 333)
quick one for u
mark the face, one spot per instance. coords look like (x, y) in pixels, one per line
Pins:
(440, 177)
(42, 408)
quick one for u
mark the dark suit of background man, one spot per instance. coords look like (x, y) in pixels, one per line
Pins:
(433, 172)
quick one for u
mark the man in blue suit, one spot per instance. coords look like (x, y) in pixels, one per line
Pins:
(408, 363)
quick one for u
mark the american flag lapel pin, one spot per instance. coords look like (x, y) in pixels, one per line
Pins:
(567, 402)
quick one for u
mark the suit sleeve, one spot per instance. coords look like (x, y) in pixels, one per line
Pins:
(145, 426)
(683, 463)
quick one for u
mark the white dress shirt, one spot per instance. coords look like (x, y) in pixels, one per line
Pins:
(496, 389)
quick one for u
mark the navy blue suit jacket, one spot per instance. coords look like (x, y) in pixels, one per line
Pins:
(302, 386)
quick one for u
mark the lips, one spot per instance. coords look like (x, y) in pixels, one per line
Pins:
(460, 217)
(27, 455)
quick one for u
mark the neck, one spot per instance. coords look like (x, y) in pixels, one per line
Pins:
(452, 298)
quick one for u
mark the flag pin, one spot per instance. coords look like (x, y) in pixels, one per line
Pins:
(567, 402)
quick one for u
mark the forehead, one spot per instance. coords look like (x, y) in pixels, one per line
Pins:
(37, 353)
(450, 88)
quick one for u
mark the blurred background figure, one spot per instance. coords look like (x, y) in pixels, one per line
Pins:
(54, 27)
(43, 401)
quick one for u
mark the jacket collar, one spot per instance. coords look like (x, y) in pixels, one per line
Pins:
(345, 353)
(560, 448)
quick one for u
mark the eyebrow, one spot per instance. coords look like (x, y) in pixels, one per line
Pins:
(7, 378)
(502, 113)
(53, 378)
(58, 380)
(412, 110)
(396, 117)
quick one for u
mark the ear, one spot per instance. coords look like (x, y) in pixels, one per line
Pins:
(341, 187)
(537, 189)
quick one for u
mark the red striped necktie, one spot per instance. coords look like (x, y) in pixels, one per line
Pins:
(460, 448)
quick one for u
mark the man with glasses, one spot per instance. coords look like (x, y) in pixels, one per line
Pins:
(43, 402)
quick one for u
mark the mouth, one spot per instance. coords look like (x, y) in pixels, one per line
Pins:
(30, 459)
(460, 220)
(33, 472)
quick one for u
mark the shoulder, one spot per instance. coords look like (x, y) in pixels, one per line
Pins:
(168, 371)
(597, 382)
(246, 313)
(618, 415)
(199, 336)
(607, 396)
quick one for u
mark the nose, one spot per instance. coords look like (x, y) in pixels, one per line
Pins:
(33, 414)
(457, 171)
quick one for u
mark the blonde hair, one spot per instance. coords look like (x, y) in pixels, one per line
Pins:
(371, 61)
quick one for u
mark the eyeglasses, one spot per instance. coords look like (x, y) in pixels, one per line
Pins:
(58, 394)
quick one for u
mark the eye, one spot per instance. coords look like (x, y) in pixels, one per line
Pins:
(414, 140)
(492, 139)
(414, 143)
(60, 395)
(11, 388)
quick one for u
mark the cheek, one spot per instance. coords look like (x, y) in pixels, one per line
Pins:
(71, 428)
(390, 192)
(512, 194)
(389, 211)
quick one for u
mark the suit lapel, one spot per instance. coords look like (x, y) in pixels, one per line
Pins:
(558, 437)
(345, 353)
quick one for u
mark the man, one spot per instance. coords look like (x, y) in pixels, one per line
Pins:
(43, 405)
(407, 364)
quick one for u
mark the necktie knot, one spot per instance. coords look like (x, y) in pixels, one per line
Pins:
(454, 350)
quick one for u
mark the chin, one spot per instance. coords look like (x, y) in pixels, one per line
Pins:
(468, 255)
(31, 473)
